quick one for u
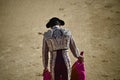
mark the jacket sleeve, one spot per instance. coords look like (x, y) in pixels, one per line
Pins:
(73, 48)
(45, 53)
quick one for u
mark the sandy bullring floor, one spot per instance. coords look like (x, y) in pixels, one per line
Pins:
(95, 25)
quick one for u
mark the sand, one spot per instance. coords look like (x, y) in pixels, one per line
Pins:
(95, 26)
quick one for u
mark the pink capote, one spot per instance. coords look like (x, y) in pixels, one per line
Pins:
(78, 70)
(46, 75)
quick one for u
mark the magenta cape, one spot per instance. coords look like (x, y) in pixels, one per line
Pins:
(78, 71)
(46, 75)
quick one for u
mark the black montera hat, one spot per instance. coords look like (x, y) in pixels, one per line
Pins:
(55, 21)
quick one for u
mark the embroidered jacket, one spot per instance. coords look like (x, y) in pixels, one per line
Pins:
(56, 39)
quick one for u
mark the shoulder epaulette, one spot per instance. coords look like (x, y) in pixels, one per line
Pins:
(66, 32)
(48, 34)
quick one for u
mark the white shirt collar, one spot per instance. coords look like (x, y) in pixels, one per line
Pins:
(56, 26)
